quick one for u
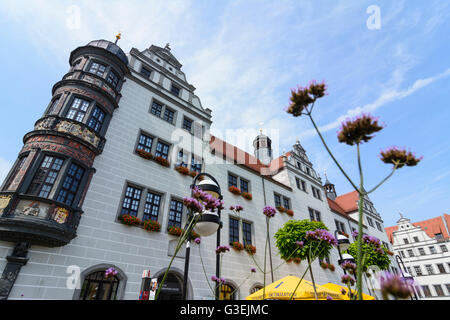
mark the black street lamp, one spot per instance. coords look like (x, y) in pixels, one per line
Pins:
(406, 275)
(343, 245)
(208, 222)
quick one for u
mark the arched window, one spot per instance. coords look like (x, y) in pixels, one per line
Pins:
(255, 288)
(172, 287)
(227, 292)
(97, 287)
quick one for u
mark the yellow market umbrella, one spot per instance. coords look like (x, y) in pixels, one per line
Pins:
(337, 287)
(283, 288)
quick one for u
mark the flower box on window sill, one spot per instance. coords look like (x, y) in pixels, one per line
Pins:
(250, 249)
(151, 225)
(176, 231)
(144, 154)
(129, 220)
(162, 161)
(343, 233)
(297, 260)
(234, 190)
(290, 212)
(324, 265)
(247, 195)
(331, 267)
(281, 209)
(182, 170)
(389, 252)
(237, 246)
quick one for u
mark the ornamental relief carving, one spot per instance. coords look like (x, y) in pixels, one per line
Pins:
(44, 124)
(77, 131)
(4, 201)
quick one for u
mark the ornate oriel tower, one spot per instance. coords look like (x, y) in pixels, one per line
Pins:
(263, 148)
(42, 196)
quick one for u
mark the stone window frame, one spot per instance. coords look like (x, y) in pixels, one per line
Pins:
(183, 211)
(142, 200)
(102, 267)
(163, 110)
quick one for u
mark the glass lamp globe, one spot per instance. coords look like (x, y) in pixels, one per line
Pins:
(343, 242)
(207, 224)
(209, 186)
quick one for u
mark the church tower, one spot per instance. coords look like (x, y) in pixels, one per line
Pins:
(330, 191)
(263, 148)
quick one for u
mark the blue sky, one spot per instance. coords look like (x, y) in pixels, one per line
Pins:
(245, 56)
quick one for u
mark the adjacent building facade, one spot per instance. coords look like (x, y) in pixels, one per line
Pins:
(423, 251)
(123, 135)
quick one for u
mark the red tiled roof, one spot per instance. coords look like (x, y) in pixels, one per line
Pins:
(348, 202)
(241, 157)
(431, 227)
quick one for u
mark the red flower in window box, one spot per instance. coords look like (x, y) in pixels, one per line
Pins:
(144, 154)
(331, 267)
(162, 161)
(389, 252)
(129, 220)
(290, 212)
(297, 260)
(193, 173)
(289, 260)
(175, 231)
(151, 225)
(250, 249)
(182, 170)
(324, 265)
(281, 209)
(234, 190)
(247, 195)
(237, 246)
(343, 233)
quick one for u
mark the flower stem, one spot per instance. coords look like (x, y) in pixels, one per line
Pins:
(204, 271)
(385, 179)
(360, 227)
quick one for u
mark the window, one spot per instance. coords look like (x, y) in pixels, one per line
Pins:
(97, 287)
(113, 79)
(441, 268)
(130, 204)
(162, 150)
(78, 109)
(187, 124)
(448, 288)
(418, 271)
(277, 199)
(52, 108)
(421, 251)
(145, 72)
(145, 143)
(71, 184)
(247, 232)
(233, 230)
(308, 171)
(168, 115)
(316, 193)
(182, 159)
(439, 290)
(286, 203)
(406, 241)
(97, 118)
(156, 108)
(429, 268)
(232, 180)
(314, 215)
(416, 239)
(403, 254)
(426, 291)
(226, 292)
(45, 176)
(432, 249)
(244, 185)
(369, 220)
(175, 90)
(175, 213)
(379, 227)
(98, 69)
(339, 226)
(196, 164)
(15, 171)
(151, 207)
(443, 248)
(410, 253)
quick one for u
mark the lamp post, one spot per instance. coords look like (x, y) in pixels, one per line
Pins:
(406, 275)
(208, 222)
(343, 245)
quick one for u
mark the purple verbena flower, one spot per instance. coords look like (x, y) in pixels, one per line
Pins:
(269, 211)
(395, 285)
(197, 240)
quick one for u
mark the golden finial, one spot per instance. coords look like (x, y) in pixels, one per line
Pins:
(118, 36)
